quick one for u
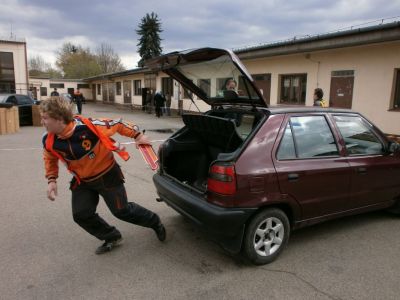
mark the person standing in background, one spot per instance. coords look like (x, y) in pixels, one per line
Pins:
(54, 93)
(78, 99)
(318, 101)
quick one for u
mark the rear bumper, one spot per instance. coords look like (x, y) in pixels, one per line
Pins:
(227, 224)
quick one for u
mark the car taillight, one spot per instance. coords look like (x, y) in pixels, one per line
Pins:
(222, 179)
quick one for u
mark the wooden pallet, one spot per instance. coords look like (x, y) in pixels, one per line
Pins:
(9, 120)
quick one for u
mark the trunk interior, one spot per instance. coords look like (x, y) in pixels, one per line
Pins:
(217, 135)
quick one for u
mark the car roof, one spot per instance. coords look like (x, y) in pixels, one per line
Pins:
(3, 97)
(307, 109)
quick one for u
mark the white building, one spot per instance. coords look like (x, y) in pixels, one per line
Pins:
(13, 67)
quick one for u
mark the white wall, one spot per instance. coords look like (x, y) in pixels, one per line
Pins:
(373, 67)
(20, 64)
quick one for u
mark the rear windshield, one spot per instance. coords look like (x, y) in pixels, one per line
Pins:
(220, 80)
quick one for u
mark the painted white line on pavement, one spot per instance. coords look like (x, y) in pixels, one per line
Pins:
(22, 149)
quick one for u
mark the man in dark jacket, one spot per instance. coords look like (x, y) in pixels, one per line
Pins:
(159, 100)
(54, 93)
(78, 99)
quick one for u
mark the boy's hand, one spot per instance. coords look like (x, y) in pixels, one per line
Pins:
(52, 190)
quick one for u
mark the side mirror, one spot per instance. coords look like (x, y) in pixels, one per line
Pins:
(394, 147)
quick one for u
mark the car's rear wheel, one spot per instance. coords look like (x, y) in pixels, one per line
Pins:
(266, 236)
(395, 209)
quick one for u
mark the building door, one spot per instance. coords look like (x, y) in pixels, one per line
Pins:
(127, 91)
(111, 91)
(341, 93)
(94, 92)
(104, 88)
(144, 96)
(70, 91)
(33, 89)
(263, 82)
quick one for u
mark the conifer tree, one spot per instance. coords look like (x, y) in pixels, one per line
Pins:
(149, 42)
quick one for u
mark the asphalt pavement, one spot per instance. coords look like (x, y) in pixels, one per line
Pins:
(45, 255)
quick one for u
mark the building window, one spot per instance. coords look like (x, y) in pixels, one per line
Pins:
(57, 85)
(396, 99)
(343, 73)
(43, 91)
(150, 81)
(99, 89)
(138, 87)
(7, 77)
(221, 82)
(166, 85)
(187, 94)
(293, 89)
(205, 85)
(83, 86)
(118, 88)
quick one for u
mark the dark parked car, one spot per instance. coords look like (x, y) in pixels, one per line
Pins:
(67, 97)
(24, 104)
(250, 174)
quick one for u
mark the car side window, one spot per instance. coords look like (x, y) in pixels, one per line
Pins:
(358, 136)
(12, 100)
(24, 100)
(286, 148)
(307, 137)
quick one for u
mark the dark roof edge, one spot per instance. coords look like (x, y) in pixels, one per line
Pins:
(12, 41)
(368, 35)
(107, 76)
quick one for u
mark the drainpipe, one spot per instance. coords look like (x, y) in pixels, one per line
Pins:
(26, 69)
(308, 56)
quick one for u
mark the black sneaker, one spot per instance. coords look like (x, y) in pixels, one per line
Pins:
(160, 232)
(108, 246)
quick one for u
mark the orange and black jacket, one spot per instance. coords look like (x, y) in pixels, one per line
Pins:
(82, 149)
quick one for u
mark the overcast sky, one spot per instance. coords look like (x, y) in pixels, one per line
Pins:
(47, 24)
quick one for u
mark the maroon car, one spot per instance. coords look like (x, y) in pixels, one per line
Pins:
(249, 174)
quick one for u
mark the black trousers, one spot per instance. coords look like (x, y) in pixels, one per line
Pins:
(85, 198)
(158, 111)
(79, 106)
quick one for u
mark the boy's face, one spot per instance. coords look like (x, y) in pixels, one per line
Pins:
(52, 125)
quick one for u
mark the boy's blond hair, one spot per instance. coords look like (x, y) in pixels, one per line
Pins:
(57, 108)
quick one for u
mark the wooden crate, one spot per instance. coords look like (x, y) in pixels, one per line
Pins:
(9, 120)
(16, 117)
(36, 119)
(3, 122)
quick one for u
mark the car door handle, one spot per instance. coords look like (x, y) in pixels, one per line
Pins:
(362, 170)
(293, 176)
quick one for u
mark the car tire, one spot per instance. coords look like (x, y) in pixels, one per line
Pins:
(266, 236)
(395, 209)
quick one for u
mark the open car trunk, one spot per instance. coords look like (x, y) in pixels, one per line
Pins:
(218, 135)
